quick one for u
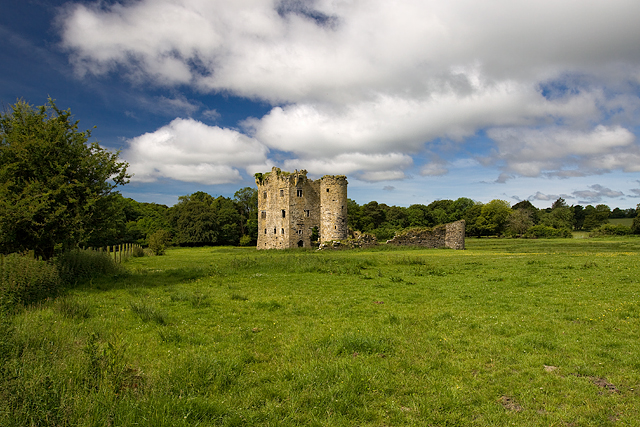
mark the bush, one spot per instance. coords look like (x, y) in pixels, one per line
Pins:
(545, 232)
(246, 241)
(79, 265)
(138, 252)
(383, 234)
(611, 230)
(158, 241)
(24, 280)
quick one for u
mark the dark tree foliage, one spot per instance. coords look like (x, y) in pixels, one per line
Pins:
(560, 216)
(525, 204)
(229, 221)
(200, 219)
(56, 189)
(246, 200)
(595, 217)
(578, 217)
(354, 215)
(623, 213)
(193, 220)
(471, 217)
(635, 226)
(373, 215)
(417, 215)
(559, 203)
(143, 220)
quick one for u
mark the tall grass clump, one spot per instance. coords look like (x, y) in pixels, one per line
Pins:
(148, 313)
(80, 265)
(24, 280)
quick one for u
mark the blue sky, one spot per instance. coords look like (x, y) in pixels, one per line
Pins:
(413, 100)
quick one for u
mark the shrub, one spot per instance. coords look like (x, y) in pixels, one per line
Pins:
(24, 280)
(383, 234)
(246, 241)
(79, 265)
(611, 230)
(138, 252)
(158, 241)
(635, 226)
(545, 232)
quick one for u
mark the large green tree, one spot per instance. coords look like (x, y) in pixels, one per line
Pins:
(56, 188)
(595, 217)
(194, 220)
(559, 216)
(493, 218)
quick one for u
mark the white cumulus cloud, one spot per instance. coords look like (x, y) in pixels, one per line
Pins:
(550, 81)
(188, 150)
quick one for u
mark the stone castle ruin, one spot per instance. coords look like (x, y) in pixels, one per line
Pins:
(291, 207)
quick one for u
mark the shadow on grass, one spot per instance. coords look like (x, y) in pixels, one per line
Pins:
(144, 279)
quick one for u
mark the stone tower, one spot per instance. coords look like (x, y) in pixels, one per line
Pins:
(333, 208)
(291, 206)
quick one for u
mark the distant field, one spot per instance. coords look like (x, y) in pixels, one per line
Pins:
(623, 221)
(507, 332)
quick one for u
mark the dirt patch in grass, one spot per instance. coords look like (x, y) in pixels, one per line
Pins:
(600, 382)
(510, 404)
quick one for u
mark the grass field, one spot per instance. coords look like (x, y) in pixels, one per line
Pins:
(507, 332)
(623, 221)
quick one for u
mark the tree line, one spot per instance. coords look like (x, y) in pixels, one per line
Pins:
(495, 218)
(58, 192)
(201, 219)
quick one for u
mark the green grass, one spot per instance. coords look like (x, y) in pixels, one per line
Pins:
(507, 332)
(622, 221)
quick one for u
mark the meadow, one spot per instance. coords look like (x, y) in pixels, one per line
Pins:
(506, 332)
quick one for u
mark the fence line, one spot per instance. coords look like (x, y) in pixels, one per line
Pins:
(119, 252)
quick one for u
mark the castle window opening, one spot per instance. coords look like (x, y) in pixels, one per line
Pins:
(282, 231)
(300, 232)
(327, 190)
(263, 214)
(264, 195)
(281, 193)
(274, 231)
(284, 213)
(299, 192)
(265, 231)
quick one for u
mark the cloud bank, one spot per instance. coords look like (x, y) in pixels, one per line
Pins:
(367, 87)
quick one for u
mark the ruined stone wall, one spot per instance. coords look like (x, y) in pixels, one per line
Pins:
(454, 237)
(290, 205)
(442, 236)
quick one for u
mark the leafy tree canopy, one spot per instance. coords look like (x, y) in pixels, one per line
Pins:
(56, 189)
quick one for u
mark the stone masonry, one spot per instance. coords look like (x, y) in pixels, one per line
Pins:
(442, 236)
(290, 206)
